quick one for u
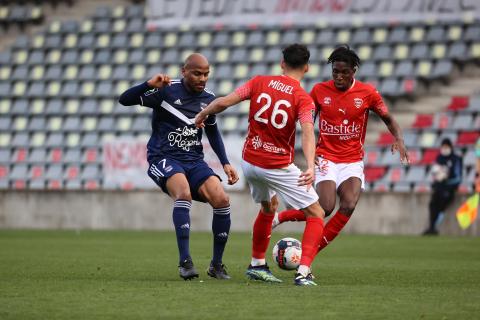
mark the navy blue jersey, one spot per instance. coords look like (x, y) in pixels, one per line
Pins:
(173, 126)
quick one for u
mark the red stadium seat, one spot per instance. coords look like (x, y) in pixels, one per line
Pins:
(396, 174)
(19, 184)
(20, 155)
(429, 156)
(409, 85)
(54, 184)
(423, 121)
(372, 157)
(91, 185)
(3, 171)
(36, 172)
(458, 103)
(373, 174)
(385, 139)
(56, 155)
(467, 137)
(414, 156)
(72, 172)
(90, 155)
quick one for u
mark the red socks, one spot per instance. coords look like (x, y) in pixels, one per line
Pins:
(312, 236)
(291, 215)
(262, 230)
(333, 228)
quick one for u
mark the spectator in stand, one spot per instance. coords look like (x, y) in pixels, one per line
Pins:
(447, 175)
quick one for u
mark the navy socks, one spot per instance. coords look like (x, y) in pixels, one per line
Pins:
(181, 221)
(220, 229)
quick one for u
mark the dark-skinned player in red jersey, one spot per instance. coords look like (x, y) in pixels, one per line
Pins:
(343, 104)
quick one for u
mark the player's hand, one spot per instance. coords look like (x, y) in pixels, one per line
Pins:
(400, 147)
(200, 119)
(306, 178)
(159, 81)
(231, 174)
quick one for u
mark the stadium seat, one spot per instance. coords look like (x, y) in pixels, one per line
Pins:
(458, 103)
(373, 174)
(423, 121)
(467, 138)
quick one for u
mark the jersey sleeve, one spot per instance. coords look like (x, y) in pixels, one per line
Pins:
(314, 96)
(152, 98)
(306, 109)
(245, 90)
(377, 105)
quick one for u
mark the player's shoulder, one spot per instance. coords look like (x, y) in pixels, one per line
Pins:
(175, 85)
(209, 92)
(324, 85)
(365, 86)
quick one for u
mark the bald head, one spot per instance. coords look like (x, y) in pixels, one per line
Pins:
(196, 60)
(195, 72)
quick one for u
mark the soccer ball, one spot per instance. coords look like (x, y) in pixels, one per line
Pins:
(287, 253)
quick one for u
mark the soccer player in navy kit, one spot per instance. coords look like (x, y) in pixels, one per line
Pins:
(175, 155)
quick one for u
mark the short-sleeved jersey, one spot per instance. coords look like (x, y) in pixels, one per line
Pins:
(276, 102)
(173, 127)
(343, 117)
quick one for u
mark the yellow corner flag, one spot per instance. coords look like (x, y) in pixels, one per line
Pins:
(467, 213)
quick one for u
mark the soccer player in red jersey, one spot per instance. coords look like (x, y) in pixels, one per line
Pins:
(343, 104)
(276, 103)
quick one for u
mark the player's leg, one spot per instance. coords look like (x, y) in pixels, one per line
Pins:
(438, 203)
(285, 183)
(212, 191)
(326, 175)
(170, 176)
(179, 190)
(349, 193)
(312, 236)
(262, 230)
(262, 227)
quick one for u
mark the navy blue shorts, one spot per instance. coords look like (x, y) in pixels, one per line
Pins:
(196, 172)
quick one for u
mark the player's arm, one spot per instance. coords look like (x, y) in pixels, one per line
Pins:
(381, 110)
(135, 95)
(216, 141)
(396, 131)
(220, 104)
(457, 169)
(216, 106)
(305, 117)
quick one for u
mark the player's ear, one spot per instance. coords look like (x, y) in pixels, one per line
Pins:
(183, 71)
(282, 64)
(307, 67)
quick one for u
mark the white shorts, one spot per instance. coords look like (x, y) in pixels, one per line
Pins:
(338, 172)
(265, 183)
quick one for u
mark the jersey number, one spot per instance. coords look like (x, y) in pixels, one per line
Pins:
(276, 111)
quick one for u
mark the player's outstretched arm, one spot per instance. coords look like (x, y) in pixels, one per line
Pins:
(132, 96)
(216, 141)
(216, 106)
(308, 146)
(396, 131)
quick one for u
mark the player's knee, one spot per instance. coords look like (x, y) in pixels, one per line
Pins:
(268, 208)
(328, 209)
(183, 195)
(221, 201)
(347, 206)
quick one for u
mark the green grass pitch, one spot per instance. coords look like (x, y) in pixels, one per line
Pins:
(133, 275)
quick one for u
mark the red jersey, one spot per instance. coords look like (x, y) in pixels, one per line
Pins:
(343, 119)
(276, 103)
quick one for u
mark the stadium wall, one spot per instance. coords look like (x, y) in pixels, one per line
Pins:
(376, 213)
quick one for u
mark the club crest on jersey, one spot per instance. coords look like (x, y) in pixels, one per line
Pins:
(327, 101)
(358, 102)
